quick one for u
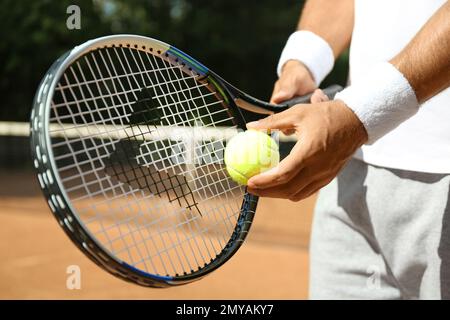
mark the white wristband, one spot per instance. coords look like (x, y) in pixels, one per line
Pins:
(310, 49)
(382, 99)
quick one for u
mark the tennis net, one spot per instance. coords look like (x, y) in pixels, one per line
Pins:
(15, 145)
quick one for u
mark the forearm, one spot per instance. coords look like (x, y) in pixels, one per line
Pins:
(332, 20)
(325, 29)
(425, 61)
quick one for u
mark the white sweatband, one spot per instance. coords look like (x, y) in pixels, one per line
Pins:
(382, 99)
(310, 49)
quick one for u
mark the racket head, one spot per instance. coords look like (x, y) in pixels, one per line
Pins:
(61, 80)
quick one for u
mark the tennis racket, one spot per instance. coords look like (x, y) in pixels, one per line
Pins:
(127, 138)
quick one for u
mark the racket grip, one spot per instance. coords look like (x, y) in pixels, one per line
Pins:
(330, 92)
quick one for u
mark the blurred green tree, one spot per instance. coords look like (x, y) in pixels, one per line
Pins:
(240, 40)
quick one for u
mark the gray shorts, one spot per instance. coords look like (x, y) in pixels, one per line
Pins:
(381, 234)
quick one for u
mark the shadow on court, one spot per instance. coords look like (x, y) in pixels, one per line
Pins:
(35, 254)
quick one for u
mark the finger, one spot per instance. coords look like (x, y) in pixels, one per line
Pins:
(281, 192)
(288, 132)
(288, 189)
(307, 191)
(318, 96)
(273, 192)
(282, 120)
(288, 168)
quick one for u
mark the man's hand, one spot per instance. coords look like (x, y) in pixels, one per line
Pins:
(328, 135)
(295, 80)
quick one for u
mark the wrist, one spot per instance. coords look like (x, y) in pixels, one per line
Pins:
(382, 100)
(355, 127)
(312, 51)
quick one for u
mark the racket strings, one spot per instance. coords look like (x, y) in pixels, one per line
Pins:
(160, 215)
(198, 115)
(162, 238)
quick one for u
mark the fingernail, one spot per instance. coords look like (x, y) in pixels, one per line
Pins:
(285, 95)
(250, 183)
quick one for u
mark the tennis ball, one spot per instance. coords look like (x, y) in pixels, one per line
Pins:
(249, 153)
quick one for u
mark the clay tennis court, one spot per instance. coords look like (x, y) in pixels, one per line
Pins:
(35, 254)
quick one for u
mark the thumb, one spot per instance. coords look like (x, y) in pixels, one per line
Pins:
(284, 89)
(281, 96)
(318, 96)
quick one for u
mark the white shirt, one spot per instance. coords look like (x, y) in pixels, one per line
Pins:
(382, 29)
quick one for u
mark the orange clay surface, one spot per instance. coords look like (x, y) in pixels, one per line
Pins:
(35, 253)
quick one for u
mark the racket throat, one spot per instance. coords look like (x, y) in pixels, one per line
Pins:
(241, 103)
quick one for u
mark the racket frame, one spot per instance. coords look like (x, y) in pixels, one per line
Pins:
(52, 186)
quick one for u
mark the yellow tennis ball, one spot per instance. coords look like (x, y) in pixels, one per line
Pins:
(249, 153)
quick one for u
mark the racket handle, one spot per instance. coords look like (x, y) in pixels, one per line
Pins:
(329, 91)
